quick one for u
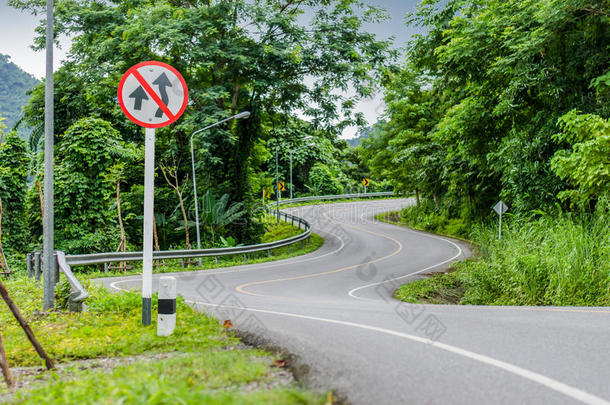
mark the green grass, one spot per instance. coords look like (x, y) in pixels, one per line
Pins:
(439, 288)
(213, 378)
(429, 218)
(206, 364)
(274, 232)
(560, 259)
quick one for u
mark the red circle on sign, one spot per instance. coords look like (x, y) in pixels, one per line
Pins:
(170, 120)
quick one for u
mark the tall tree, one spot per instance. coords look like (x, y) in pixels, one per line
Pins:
(499, 74)
(265, 56)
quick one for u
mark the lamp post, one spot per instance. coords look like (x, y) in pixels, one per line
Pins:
(244, 115)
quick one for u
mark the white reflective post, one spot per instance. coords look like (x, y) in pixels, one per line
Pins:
(149, 211)
(166, 318)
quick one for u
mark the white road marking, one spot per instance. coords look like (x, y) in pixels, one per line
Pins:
(250, 268)
(351, 292)
(548, 382)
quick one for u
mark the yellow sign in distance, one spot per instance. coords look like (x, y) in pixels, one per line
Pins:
(281, 186)
(365, 182)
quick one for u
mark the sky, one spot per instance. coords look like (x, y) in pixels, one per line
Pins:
(17, 33)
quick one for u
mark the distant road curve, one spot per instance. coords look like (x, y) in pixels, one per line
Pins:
(333, 310)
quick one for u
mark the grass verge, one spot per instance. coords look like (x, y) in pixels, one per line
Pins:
(200, 362)
(559, 259)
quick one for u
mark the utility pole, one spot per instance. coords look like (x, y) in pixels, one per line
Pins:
(48, 258)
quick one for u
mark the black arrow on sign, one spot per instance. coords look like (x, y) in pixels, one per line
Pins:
(162, 81)
(138, 94)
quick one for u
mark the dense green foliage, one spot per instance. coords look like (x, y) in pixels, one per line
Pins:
(235, 56)
(440, 218)
(84, 215)
(322, 181)
(14, 164)
(586, 167)
(474, 114)
(14, 87)
(568, 266)
(506, 99)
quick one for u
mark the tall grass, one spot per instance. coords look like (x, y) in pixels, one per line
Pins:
(561, 259)
(441, 219)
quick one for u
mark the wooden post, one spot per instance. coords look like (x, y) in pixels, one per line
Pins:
(26, 328)
(4, 365)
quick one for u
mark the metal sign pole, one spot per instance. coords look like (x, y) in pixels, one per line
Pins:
(500, 209)
(48, 258)
(147, 247)
(500, 227)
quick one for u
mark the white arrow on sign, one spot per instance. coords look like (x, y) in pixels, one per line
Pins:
(153, 94)
(500, 208)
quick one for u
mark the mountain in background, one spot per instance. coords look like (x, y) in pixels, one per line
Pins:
(14, 85)
(365, 133)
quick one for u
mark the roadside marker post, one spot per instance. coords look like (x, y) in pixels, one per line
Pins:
(166, 318)
(365, 183)
(500, 209)
(153, 95)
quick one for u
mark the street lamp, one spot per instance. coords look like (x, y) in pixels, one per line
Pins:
(245, 115)
(296, 150)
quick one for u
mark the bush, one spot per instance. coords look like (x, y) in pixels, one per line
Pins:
(13, 175)
(563, 259)
(438, 219)
(84, 203)
(322, 181)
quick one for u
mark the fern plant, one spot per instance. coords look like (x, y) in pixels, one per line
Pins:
(217, 213)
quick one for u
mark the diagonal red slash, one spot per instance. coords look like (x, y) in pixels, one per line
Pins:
(152, 93)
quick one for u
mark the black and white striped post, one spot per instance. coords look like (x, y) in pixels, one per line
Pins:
(166, 318)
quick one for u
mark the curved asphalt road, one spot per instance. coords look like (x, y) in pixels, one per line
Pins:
(333, 311)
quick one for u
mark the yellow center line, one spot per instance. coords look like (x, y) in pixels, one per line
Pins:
(241, 288)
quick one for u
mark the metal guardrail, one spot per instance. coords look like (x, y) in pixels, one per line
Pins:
(79, 294)
(338, 197)
(100, 258)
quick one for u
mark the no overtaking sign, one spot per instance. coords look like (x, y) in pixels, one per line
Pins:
(153, 94)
